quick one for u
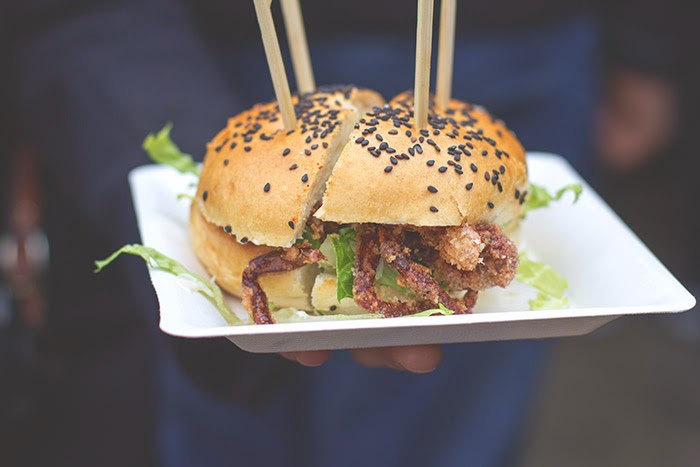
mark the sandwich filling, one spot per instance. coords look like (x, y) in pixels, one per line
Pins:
(437, 266)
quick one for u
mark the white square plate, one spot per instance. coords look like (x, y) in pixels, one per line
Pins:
(610, 271)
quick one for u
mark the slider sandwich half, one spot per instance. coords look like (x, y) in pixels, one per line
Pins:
(356, 210)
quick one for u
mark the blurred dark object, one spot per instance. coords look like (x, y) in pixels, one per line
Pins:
(25, 368)
(638, 119)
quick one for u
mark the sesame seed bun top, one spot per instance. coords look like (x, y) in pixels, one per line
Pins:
(466, 166)
(260, 182)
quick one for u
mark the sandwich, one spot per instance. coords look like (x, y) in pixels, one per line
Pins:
(357, 211)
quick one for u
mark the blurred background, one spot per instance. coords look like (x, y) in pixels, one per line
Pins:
(74, 349)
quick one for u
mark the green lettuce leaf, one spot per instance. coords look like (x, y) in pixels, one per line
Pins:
(157, 260)
(549, 284)
(386, 276)
(162, 150)
(539, 197)
(548, 302)
(307, 236)
(344, 248)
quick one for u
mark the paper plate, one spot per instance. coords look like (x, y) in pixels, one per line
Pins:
(610, 271)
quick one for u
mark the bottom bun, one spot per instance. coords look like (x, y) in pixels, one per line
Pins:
(225, 259)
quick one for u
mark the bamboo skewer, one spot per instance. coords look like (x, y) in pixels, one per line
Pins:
(424, 35)
(446, 50)
(298, 46)
(274, 61)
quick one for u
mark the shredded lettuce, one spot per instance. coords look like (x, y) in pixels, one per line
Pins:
(441, 310)
(547, 302)
(386, 276)
(162, 150)
(539, 197)
(292, 315)
(549, 284)
(307, 236)
(344, 248)
(157, 260)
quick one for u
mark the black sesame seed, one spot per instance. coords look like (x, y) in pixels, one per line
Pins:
(484, 153)
(487, 176)
(430, 163)
(384, 145)
(293, 166)
(333, 308)
(359, 140)
(307, 152)
(412, 151)
(205, 195)
(305, 178)
(291, 224)
(432, 189)
(388, 169)
(491, 205)
(244, 240)
(325, 145)
(517, 193)
(418, 148)
(473, 167)
(379, 137)
(390, 150)
(500, 187)
(314, 146)
(469, 186)
(394, 160)
(393, 132)
(227, 229)
(365, 142)
(308, 139)
(433, 209)
(225, 162)
(425, 133)
(247, 138)
(247, 148)
(267, 187)
(502, 169)
(442, 169)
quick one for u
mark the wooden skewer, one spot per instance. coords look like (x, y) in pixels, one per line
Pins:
(446, 51)
(274, 61)
(424, 36)
(298, 45)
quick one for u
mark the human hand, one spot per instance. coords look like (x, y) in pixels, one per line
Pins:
(637, 119)
(415, 359)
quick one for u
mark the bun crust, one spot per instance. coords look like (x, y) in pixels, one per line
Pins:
(260, 182)
(225, 259)
(402, 176)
